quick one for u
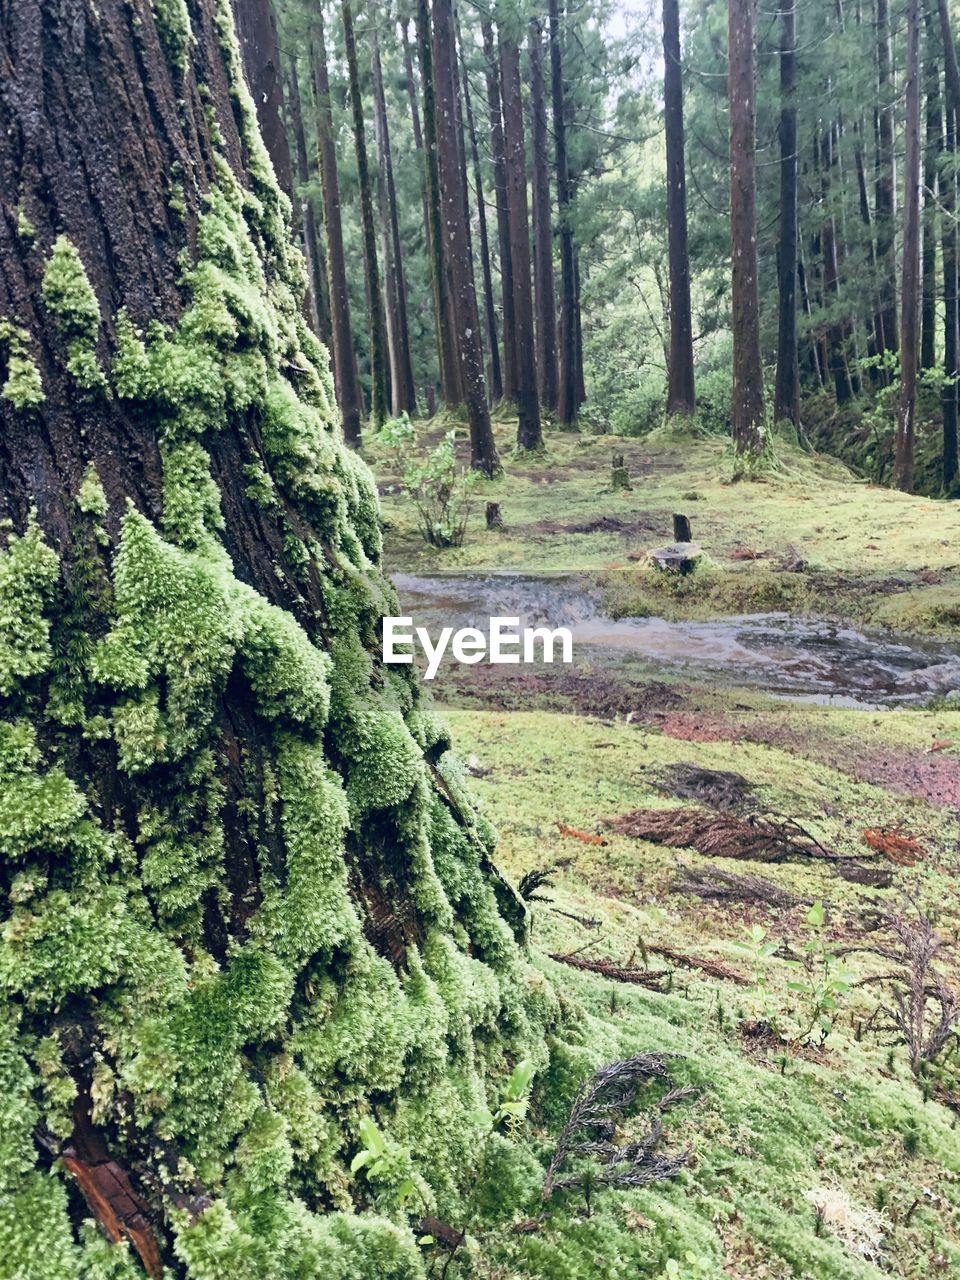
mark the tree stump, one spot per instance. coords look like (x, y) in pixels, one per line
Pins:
(681, 529)
(680, 558)
(620, 476)
(495, 517)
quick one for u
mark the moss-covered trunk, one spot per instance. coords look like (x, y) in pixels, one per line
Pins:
(246, 899)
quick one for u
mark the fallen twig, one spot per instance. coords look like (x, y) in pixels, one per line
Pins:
(652, 978)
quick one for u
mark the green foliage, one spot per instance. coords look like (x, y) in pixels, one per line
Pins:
(71, 301)
(441, 493)
(386, 1165)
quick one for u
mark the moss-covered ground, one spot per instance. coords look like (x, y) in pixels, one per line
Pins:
(814, 1155)
(806, 535)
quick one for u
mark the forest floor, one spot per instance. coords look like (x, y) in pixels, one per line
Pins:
(816, 1152)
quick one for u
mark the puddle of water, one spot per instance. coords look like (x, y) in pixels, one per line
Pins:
(796, 658)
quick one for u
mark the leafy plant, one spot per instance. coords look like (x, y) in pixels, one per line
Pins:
(514, 1103)
(442, 494)
(691, 1266)
(387, 1165)
(759, 949)
(823, 979)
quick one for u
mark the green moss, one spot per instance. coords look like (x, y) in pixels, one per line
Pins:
(72, 303)
(173, 25)
(29, 571)
(25, 228)
(91, 498)
(23, 385)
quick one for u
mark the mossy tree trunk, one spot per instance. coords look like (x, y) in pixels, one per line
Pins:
(257, 33)
(545, 286)
(497, 152)
(787, 394)
(316, 268)
(242, 885)
(951, 274)
(567, 389)
(885, 201)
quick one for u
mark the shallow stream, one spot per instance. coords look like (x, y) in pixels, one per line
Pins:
(793, 657)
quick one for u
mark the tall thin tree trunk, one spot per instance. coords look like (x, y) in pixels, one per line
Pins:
(492, 74)
(836, 329)
(450, 381)
(371, 268)
(257, 35)
(787, 392)
(316, 271)
(580, 385)
(456, 243)
(681, 396)
(932, 154)
(749, 431)
(885, 204)
(545, 287)
(401, 381)
(950, 396)
(344, 362)
(910, 313)
(425, 199)
(529, 434)
(567, 390)
(493, 342)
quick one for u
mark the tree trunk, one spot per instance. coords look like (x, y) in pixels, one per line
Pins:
(379, 390)
(567, 390)
(424, 184)
(224, 829)
(303, 205)
(492, 74)
(344, 361)
(910, 313)
(483, 449)
(786, 407)
(749, 431)
(932, 154)
(545, 287)
(885, 206)
(681, 396)
(950, 396)
(529, 435)
(257, 33)
(837, 332)
(496, 375)
(401, 376)
(450, 380)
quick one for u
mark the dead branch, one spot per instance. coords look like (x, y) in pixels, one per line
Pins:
(713, 883)
(654, 979)
(761, 838)
(706, 964)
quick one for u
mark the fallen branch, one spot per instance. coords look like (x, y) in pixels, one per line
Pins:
(715, 884)
(721, 835)
(714, 968)
(652, 978)
(719, 788)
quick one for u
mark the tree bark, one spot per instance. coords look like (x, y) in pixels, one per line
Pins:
(494, 109)
(450, 380)
(303, 205)
(932, 154)
(681, 394)
(483, 449)
(786, 407)
(910, 313)
(749, 430)
(257, 33)
(837, 330)
(529, 434)
(219, 810)
(379, 389)
(344, 362)
(496, 375)
(545, 286)
(401, 376)
(885, 205)
(950, 396)
(567, 391)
